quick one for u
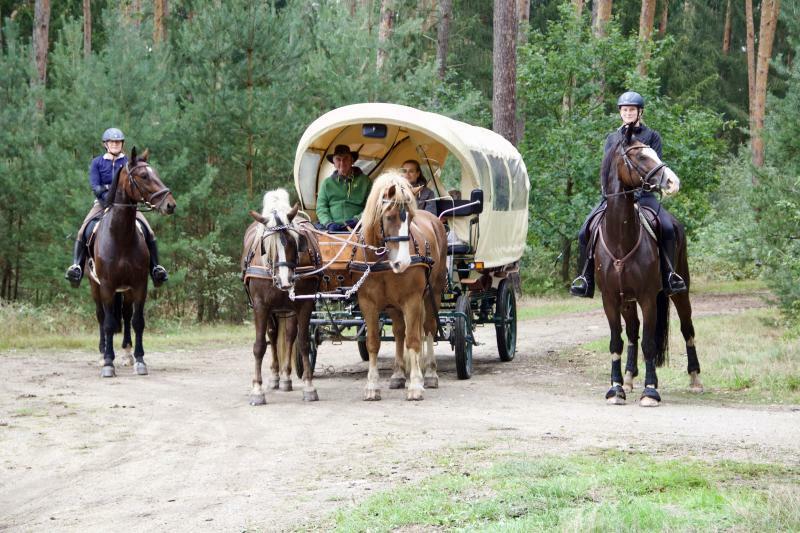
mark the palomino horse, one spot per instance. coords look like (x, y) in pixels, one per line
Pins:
(274, 248)
(627, 271)
(120, 260)
(416, 244)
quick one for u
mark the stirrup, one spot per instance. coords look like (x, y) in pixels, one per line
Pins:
(159, 275)
(581, 287)
(74, 275)
(675, 284)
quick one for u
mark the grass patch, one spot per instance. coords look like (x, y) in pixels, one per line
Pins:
(605, 491)
(746, 354)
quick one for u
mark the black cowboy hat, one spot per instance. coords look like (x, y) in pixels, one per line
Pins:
(342, 149)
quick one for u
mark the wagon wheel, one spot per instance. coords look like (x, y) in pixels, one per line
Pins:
(462, 330)
(362, 348)
(314, 340)
(506, 321)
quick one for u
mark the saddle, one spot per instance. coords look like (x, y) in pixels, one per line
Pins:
(90, 232)
(647, 216)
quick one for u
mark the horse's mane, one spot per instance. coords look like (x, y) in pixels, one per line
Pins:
(112, 191)
(373, 211)
(275, 210)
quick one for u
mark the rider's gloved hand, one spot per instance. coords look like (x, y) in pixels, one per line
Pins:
(351, 223)
(335, 226)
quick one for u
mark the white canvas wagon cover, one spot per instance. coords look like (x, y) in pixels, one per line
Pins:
(385, 135)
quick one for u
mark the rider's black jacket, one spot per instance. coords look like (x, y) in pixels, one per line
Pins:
(641, 133)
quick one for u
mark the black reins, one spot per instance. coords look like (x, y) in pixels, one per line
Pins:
(159, 195)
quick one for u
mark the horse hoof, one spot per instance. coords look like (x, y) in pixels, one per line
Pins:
(372, 395)
(310, 396)
(432, 383)
(273, 383)
(615, 400)
(285, 385)
(650, 397)
(258, 399)
(696, 389)
(141, 369)
(397, 383)
(647, 401)
(414, 395)
(615, 396)
(108, 372)
(627, 386)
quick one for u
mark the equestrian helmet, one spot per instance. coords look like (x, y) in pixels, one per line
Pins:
(113, 134)
(631, 98)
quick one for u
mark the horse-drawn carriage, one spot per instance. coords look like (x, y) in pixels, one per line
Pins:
(481, 188)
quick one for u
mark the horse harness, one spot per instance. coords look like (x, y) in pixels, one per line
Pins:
(645, 177)
(159, 195)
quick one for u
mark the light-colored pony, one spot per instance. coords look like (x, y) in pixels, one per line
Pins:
(273, 248)
(411, 292)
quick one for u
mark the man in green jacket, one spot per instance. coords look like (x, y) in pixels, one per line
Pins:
(343, 194)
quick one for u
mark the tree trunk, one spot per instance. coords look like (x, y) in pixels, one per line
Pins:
(646, 19)
(429, 13)
(159, 21)
(504, 58)
(524, 20)
(578, 5)
(443, 36)
(662, 26)
(726, 33)
(751, 58)
(600, 17)
(41, 27)
(766, 36)
(87, 28)
(385, 32)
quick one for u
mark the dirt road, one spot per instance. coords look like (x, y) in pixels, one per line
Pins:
(181, 449)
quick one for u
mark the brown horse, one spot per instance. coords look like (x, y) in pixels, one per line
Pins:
(627, 270)
(275, 247)
(120, 260)
(416, 245)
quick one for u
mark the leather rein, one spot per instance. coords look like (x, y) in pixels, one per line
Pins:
(155, 199)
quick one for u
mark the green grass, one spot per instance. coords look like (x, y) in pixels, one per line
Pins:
(606, 491)
(743, 357)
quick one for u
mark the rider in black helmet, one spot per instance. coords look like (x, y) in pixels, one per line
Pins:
(102, 170)
(631, 109)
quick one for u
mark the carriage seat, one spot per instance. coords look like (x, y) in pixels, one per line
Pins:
(458, 208)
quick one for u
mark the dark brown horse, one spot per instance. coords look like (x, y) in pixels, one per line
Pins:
(627, 271)
(120, 261)
(416, 252)
(275, 248)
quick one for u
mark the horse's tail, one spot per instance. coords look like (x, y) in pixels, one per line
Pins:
(662, 328)
(118, 311)
(281, 342)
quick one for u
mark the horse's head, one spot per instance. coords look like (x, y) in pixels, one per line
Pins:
(282, 242)
(387, 218)
(142, 184)
(641, 167)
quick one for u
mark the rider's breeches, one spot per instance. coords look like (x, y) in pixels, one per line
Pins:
(666, 228)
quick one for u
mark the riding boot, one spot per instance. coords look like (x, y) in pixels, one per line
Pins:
(157, 272)
(75, 272)
(583, 285)
(671, 281)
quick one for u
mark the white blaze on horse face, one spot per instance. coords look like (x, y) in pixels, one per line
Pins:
(401, 258)
(283, 271)
(669, 181)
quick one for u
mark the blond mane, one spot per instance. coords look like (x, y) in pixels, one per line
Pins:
(275, 210)
(378, 203)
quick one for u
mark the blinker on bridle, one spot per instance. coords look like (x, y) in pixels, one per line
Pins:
(403, 216)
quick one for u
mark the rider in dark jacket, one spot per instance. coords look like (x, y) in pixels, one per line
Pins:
(631, 108)
(102, 170)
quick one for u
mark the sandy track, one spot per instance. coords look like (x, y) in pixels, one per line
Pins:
(181, 449)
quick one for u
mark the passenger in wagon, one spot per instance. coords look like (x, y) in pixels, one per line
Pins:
(425, 197)
(631, 108)
(342, 195)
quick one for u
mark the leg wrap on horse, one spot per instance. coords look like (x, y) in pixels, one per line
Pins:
(650, 378)
(693, 364)
(631, 365)
(616, 371)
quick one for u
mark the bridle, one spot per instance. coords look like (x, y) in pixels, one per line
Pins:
(155, 199)
(644, 177)
(397, 238)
